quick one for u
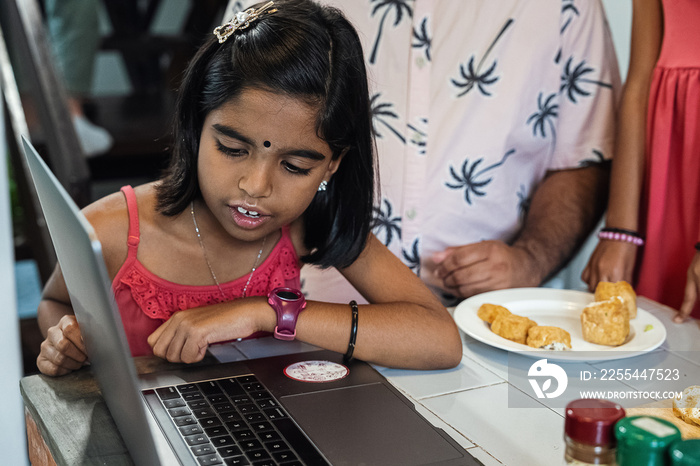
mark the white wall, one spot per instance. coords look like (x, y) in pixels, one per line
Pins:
(620, 18)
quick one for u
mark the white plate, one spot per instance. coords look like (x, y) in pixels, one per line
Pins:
(560, 308)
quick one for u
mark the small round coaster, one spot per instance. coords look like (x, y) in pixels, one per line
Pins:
(316, 371)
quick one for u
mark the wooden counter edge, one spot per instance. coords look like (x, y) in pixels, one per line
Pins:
(37, 449)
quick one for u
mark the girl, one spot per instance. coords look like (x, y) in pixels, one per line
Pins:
(273, 165)
(657, 193)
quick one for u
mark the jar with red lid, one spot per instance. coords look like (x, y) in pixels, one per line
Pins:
(588, 431)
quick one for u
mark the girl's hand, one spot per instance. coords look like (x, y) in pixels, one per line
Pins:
(611, 261)
(692, 289)
(63, 351)
(186, 336)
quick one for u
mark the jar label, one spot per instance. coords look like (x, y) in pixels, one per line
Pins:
(653, 427)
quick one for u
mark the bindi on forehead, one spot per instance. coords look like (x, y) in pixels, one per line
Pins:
(267, 144)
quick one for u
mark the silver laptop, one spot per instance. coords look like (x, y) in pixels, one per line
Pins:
(257, 411)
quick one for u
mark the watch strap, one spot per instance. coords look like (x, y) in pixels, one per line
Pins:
(287, 315)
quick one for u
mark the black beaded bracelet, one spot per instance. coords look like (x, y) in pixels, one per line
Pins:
(353, 333)
(697, 246)
(622, 231)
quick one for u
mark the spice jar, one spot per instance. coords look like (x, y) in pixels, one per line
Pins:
(644, 441)
(588, 431)
(685, 452)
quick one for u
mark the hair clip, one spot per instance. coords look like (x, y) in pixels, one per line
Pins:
(241, 21)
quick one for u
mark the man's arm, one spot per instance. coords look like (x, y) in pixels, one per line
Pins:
(564, 209)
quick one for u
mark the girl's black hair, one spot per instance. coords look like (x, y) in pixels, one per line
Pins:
(306, 51)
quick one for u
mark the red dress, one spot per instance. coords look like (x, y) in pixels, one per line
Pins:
(670, 211)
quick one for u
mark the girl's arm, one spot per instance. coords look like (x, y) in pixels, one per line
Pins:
(405, 326)
(614, 260)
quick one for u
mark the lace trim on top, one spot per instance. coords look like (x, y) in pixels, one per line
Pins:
(160, 299)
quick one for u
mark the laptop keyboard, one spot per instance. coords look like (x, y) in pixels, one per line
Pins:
(233, 421)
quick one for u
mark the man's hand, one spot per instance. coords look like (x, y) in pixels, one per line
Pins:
(564, 208)
(489, 265)
(63, 351)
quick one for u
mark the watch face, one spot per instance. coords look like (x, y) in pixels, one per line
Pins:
(287, 295)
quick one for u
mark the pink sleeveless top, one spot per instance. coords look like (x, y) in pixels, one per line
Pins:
(145, 300)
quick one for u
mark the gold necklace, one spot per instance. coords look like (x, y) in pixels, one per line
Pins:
(206, 258)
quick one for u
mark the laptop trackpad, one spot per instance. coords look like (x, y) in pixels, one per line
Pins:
(339, 420)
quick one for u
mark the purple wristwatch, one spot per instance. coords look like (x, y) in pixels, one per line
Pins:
(288, 304)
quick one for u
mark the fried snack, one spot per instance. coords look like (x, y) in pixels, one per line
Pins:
(606, 290)
(605, 322)
(512, 327)
(547, 337)
(688, 406)
(489, 312)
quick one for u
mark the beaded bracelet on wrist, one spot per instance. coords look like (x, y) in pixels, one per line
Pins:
(623, 231)
(624, 237)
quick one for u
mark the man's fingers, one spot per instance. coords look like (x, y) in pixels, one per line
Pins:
(478, 288)
(469, 281)
(467, 278)
(457, 258)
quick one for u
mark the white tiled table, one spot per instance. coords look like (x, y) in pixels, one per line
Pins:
(471, 401)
